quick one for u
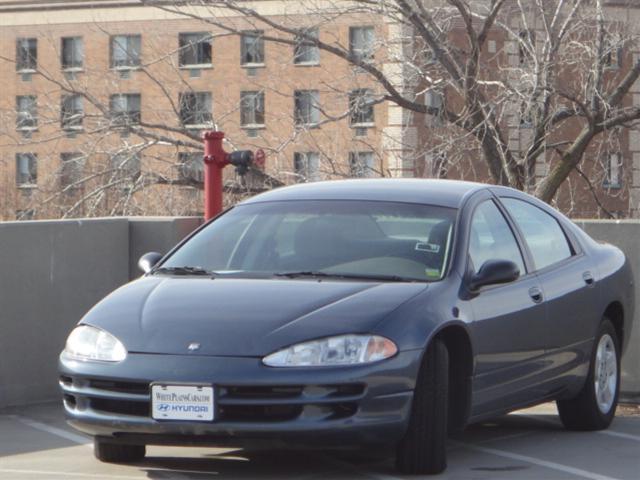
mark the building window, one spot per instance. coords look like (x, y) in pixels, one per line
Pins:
(612, 58)
(26, 54)
(126, 168)
(306, 111)
(26, 169)
(195, 49)
(408, 166)
(436, 163)
(362, 43)
(71, 112)
(307, 166)
(613, 172)
(362, 164)
(613, 53)
(195, 109)
(251, 109)
(72, 53)
(125, 108)
(72, 169)
(526, 42)
(191, 167)
(305, 52)
(434, 101)
(526, 115)
(125, 51)
(361, 108)
(26, 112)
(252, 47)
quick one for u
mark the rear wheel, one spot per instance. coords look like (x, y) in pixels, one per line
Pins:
(423, 448)
(114, 453)
(595, 406)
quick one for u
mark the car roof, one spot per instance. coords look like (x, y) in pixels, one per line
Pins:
(445, 193)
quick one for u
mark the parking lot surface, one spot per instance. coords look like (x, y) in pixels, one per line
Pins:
(35, 443)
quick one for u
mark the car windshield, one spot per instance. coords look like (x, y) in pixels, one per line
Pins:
(348, 239)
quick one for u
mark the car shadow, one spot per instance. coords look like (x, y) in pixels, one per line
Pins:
(245, 464)
(292, 463)
(507, 426)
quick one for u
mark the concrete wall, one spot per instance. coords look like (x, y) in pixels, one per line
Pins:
(51, 273)
(625, 234)
(156, 234)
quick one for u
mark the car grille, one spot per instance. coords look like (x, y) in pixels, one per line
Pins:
(138, 409)
(278, 403)
(125, 387)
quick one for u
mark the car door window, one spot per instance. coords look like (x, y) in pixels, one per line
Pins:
(543, 234)
(491, 238)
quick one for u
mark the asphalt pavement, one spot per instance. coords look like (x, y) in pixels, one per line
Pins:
(36, 444)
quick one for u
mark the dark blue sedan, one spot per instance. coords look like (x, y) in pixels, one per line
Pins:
(355, 313)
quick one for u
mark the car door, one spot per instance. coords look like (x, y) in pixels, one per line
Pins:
(509, 330)
(567, 280)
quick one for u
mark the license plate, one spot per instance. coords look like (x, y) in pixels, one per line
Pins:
(182, 402)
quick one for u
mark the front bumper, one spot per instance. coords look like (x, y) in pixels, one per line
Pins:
(325, 406)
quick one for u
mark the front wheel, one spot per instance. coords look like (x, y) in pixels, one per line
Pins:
(115, 453)
(423, 450)
(595, 406)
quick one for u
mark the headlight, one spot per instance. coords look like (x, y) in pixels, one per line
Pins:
(90, 343)
(340, 350)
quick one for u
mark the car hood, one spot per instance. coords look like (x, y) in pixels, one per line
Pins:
(241, 317)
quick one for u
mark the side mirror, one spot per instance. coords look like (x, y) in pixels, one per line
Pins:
(494, 272)
(148, 261)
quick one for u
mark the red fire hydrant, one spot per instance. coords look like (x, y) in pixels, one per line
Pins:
(215, 159)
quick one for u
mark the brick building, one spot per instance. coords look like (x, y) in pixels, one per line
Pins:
(103, 102)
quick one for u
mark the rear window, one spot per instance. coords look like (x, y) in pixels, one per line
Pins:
(542, 232)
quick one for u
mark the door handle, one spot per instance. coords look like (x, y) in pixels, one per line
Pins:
(536, 294)
(588, 278)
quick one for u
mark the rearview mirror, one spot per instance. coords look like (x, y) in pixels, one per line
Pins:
(494, 272)
(148, 261)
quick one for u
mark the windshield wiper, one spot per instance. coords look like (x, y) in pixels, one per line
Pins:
(347, 276)
(186, 270)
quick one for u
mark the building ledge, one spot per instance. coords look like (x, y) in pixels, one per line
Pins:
(196, 66)
(126, 68)
(40, 5)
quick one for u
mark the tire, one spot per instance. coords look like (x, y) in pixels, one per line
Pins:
(584, 412)
(114, 453)
(423, 450)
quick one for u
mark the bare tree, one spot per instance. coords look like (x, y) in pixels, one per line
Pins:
(555, 76)
(537, 90)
